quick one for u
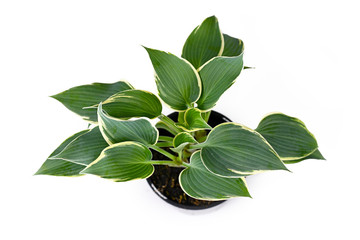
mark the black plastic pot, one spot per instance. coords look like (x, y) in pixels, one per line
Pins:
(164, 180)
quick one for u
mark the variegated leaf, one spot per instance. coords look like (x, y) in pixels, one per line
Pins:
(217, 75)
(193, 121)
(233, 46)
(84, 149)
(59, 167)
(132, 103)
(315, 155)
(198, 182)
(181, 141)
(76, 98)
(177, 81)
(204, 43)
(288, 136)
(116, 130)
(122, 162)
(233, 150)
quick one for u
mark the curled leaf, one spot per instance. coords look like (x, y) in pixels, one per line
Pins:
(116, 130)
(193, 121)
(132, 103)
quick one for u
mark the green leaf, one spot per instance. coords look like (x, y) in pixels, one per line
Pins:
(233, 150)
(84, 149)
(204, 43)
(288, 136)
(115, 130)
(217, 76)
(163, 125)
(194, 121)
(165, 139)
(132, 103)
(181, 141)
(199, 183)
(58, 167)
(183, 137)
(76, 98)
(315, 155)
(122, 162)
(233, 46)
(206, 116)
(177, 81)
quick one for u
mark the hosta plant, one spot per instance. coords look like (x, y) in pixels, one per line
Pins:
(215, 161)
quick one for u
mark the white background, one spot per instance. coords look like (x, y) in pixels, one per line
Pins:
(307, 66)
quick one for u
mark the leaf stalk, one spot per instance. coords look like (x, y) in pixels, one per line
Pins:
(164, 152)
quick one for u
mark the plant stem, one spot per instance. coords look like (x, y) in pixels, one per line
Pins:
(162, 125)
(181, 156)
(169, 163)
(186, 164)
(170, 123)
(164, 144)
(206, 115)
(166, 138)
(181, 117)
(165, 153)
(196, 146)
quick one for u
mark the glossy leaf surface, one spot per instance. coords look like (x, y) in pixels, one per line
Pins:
(123, 162)
(199, 183)
(233, 150)
(76, 98)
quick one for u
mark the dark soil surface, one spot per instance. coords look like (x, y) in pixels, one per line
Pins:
(165, 178)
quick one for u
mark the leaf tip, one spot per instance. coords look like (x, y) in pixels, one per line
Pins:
(246, 67)
(212, 18)
(40, 171)
(55, 96)
(286, 169)
(146, 48)
(248, 195)
(321, 157)
(282, 166)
